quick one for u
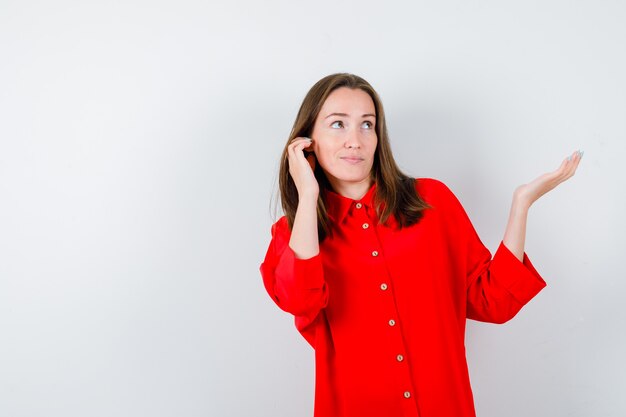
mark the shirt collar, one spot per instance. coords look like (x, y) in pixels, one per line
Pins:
(338, 206)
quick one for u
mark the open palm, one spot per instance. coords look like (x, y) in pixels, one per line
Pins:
(527, 194)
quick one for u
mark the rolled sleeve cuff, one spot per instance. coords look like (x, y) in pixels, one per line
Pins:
(521, 279)
(305, 274)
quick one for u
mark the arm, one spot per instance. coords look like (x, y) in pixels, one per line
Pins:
(500, 286)
(292, 271)
(525, 195)
(304, 238)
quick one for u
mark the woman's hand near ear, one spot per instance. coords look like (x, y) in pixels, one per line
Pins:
(525, 195)
(301, 167)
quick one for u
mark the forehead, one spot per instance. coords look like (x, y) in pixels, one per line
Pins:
(353, 102)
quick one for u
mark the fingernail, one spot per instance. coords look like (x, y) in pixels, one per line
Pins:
(569, 158)
(581, 154)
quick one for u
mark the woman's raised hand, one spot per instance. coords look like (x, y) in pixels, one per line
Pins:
(527, 194)
(301, 167)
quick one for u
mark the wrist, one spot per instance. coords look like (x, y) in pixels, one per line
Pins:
(308, 198)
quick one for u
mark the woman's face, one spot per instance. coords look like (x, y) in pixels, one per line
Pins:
(344, 139)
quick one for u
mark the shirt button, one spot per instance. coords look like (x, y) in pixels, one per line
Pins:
(392, 322)
(375, 253)
(383, 286)
(359, 205)
(365, 225)
(400, 358)
(407, 394)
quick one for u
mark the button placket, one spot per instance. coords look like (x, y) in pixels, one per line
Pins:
(398, 341)
(362, 219)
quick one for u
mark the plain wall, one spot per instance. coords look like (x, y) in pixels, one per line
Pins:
(139, 146)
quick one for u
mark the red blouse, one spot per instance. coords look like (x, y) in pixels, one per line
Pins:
(385, 308)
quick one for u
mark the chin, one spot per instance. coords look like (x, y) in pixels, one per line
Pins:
(348, 175)
(353, 177)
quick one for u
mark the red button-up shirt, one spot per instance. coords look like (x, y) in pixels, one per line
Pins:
(385, 308)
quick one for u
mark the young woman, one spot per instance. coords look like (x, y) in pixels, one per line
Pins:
(382, 270)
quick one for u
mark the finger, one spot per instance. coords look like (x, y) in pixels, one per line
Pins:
(568, 167)
(296, 148)
(300, 139)
(574, 157)
(574, 161)
(570, 162)
(300, 143)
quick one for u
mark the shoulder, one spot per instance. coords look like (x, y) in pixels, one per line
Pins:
(433, 190)
(439, 197)
(281, 226)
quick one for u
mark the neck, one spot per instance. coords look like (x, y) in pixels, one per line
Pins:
(353, 190)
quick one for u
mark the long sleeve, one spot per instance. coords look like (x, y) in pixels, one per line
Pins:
(498, 287)
(297, 286)
(498, 292)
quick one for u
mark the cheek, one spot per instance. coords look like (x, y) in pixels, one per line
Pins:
(322, 151)
(324, 157)
(370, 149)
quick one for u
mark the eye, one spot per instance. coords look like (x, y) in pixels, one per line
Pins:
(368, 125)
(337, 124)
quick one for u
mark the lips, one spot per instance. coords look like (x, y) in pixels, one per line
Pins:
(352, 159)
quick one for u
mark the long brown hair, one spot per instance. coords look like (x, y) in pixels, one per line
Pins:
(395, 191)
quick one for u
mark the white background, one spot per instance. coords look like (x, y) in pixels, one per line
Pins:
(139, 145)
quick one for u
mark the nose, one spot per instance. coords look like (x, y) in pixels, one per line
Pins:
(353, 140)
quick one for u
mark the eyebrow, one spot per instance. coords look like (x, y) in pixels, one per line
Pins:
(346, 115)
